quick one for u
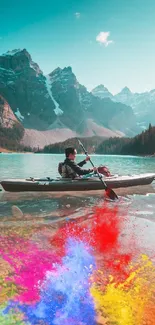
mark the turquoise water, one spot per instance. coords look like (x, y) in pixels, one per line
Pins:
(53, 205)
(39, 165)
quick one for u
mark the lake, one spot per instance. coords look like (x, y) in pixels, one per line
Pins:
(39, 165)
(83, 252)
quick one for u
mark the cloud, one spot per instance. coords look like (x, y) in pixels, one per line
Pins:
(77, 15)
(102, 38)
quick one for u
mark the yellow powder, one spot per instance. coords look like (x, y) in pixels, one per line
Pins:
(124, 303)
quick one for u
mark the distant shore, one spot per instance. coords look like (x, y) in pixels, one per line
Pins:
(12, 151)
(5, 150)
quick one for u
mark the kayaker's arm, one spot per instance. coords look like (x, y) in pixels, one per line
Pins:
(77, 169)
(81, 163)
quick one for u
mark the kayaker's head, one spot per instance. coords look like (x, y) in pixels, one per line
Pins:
(70, 153)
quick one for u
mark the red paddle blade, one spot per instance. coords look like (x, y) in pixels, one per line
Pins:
(111, 194)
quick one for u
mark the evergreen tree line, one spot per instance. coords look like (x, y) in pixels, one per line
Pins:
(90, 144)
(10, 138)
(141, 144)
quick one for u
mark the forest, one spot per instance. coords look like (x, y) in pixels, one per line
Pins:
(90, 143)
(141, 144)
(10, 138)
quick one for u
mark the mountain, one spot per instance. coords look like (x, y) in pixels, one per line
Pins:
(57, 103)
(125, 96)
(7, 118)
(102, 92)
(39, 139)
(11, 130)
(24, 86)
(141, 103)
(141, 144)
(80, 106)
(59, 133)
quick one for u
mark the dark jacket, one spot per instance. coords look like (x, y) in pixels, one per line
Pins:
(71, 170)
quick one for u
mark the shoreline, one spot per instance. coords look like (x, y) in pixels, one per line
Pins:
(4, 150)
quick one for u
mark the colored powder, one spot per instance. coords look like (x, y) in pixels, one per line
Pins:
(149, 311)
(11, 319)
(6, 290)
(106, 228)
(125, 303)
(101, 233)
(29, 264)
(57, 289)
(65, 293)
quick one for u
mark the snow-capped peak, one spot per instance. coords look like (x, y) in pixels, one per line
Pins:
(102, 92)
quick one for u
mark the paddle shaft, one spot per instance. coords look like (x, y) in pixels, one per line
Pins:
(109, 192)
(99, 176)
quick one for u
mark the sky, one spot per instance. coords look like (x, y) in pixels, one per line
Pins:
(109, 42)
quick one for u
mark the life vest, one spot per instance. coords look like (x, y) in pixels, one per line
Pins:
(69, 173)
(66, 171)
(60, 168)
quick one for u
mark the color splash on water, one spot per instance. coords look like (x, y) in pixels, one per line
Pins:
(29, 265)
(102, 229)
(102, 233)
(11, 319)
(65, 293)
(89, 276)
(124, 303)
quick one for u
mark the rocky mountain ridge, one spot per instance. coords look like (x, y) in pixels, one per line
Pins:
(142, 103)
(58, 101)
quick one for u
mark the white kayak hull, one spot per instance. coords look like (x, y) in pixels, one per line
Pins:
(59, 185)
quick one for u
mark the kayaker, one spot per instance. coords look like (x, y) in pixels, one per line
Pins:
(70, 169)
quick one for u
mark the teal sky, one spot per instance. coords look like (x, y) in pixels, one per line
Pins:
(65, 32)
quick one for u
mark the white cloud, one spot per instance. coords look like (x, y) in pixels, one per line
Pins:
(77, 15)
(102, 38)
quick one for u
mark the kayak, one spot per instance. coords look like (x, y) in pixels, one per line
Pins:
(82, 184)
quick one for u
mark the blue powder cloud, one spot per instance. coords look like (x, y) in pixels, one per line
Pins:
(65, 294)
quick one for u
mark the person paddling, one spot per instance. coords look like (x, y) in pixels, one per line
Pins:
(70, 169)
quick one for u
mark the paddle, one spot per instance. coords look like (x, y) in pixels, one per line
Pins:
(109, 192)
